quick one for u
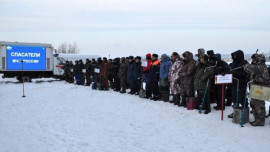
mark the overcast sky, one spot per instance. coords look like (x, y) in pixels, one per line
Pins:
(136, 27)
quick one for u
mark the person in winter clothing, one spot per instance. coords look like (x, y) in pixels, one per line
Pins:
(212, 91)
(186, 77)
(146, 74)
(228, 93)
(67, 71)
(76, 71)
(80, 72)
(202, 77)
(163, 75)
(110, 78)
(221, 68)
(268, 69)
(240, 76)
(114, 74)
(153, 79)
(97, 78)
(88, 72)
(71, 74)
(200, 52)
(175, 67)
(122, 74)
(131, 79)
(137, 75)
(253, 59)
(104, 73)
(93, 74)
(260, 76)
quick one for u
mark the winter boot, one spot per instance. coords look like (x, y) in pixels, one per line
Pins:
(207, 111)
(166, 97)
(123, 91)
(183, 103)
(161, 96)
(155, 98)
(132, 91)
(173, 100)
(259, 119)
(230, 115)
(177, 99)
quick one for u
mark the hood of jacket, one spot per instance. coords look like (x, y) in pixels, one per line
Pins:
(202, 50)
(123, 60)
(188, 55)
(166, 58)
(238, 56)
(218, 56)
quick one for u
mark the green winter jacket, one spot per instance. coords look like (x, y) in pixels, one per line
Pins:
(203, 73)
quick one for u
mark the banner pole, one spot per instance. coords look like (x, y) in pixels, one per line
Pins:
(222, 102)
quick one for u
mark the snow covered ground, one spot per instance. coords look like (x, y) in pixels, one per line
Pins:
(59, 117)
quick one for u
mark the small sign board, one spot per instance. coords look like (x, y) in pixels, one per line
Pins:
(144, 63)
(97, 70)
(226, 79)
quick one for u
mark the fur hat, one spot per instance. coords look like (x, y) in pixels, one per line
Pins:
(148, 55)
(138, 57)
(210, 53)
(204, 56)
(155, 55)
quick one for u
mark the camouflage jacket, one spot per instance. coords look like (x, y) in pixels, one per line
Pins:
(258, 73)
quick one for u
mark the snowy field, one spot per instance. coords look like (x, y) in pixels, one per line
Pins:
(60, 117)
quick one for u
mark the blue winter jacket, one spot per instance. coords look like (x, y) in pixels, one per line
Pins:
(164, 67)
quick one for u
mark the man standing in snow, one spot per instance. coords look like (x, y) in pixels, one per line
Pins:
(238, 73)
(93, 74)
(80, 72)
(131, 80)
(221, 68)
(154, 78)
(201, 51)
(146, 75)
(71, 74)
(105, 71)
(259, 75)
(163, 75)
(122, 74)
(88, 72)
(114, 73)
(137, 74)
(67, 71)
(98, 80)
(202, 78)
(75, 69)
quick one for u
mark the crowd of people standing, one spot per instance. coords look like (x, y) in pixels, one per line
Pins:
(183, 77)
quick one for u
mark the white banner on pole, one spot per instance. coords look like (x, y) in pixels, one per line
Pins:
(226, 79)
(144, 63)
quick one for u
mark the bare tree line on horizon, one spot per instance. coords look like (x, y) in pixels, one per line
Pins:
(68, 48)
